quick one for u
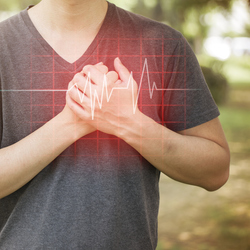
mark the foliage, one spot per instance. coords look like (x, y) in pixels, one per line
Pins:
(186, 16)
(237, 70)
(16, 4)
(217, 83)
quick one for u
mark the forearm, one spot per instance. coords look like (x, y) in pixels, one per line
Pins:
(188, 159)
(22, 161)
(200, 157)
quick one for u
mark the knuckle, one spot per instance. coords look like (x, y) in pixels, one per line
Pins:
(70, 85)
(104, 69)
(86, 69)
(77, 77)
(69, 92)
(70, 105)
(112, 76)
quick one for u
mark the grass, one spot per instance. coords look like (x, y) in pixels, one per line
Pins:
(231, 226)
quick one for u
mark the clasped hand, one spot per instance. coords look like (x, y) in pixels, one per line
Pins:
(107, 100)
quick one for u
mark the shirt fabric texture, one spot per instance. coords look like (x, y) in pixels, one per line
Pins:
(99, 193)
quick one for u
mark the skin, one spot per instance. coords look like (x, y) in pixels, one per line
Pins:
(197, 156)
(76, 23)
(22, 161)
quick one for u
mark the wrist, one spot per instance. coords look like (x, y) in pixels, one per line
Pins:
(133, 128)
(72, 125)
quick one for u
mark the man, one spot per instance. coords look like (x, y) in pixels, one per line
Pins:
(85, 175)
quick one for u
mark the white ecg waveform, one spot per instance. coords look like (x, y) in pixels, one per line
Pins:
(94, 97)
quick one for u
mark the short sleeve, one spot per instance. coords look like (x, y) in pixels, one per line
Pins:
(187, 98)
(1, 114)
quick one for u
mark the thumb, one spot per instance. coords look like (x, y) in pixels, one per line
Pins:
(122, 71)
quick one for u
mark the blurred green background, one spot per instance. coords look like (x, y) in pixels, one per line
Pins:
(219, 31)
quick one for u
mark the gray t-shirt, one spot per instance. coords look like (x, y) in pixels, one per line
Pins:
(99, 193)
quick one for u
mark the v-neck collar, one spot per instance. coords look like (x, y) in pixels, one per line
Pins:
(75, 66)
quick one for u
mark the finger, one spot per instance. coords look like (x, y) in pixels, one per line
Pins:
(96, 76)
(112, 77)
(122, 71)
(70, 86)
(102, 68)
(79, 81)
(77, 109)
(82, 83)
(78, 96)
(125, 75)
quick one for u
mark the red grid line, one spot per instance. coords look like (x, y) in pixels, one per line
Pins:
(31, 85)
(97, 133)
(141, 56)
(134, 72)
(162, 78)
(43, 122)
(113, 56)
(185, 84)
(118, 51)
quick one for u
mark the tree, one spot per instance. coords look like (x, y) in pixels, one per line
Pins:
(16, 5)
(186, 16)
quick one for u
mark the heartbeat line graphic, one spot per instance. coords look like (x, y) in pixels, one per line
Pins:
(94, 97)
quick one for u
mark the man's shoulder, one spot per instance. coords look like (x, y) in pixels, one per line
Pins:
(145, 26)
(10, 21)
(12, 29)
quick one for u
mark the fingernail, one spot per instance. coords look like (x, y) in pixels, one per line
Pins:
(99, 63)
(118, 59)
